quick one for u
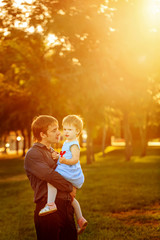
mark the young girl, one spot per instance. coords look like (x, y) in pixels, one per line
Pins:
(69, 167)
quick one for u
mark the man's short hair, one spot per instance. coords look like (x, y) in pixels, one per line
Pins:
(74, 120)
(40, 124)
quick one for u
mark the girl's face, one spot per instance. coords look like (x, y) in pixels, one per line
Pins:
(70, 132)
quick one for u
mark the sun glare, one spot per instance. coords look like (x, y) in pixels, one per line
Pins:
(31, 29)
(19, 3)
(26, 7)
(153, 9)
(52, 39)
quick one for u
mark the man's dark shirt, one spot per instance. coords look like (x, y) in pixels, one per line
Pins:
(39, 166)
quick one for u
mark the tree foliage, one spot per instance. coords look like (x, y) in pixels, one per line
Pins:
(101, 57)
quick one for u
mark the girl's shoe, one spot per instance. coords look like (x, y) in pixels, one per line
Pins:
(82, 224)
(49, 208)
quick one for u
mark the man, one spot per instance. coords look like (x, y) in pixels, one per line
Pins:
(39, 167)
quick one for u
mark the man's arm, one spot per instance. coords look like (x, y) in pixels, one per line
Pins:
(36, 165)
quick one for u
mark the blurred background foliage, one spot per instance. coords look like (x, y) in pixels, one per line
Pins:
(95, 58)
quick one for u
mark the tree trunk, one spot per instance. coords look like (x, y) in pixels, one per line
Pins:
(17, 143)
(103, 140)
(5, 141)
(128, 137)
(143, 134)
(29, 137)
(108, 136)
(24, 142)
(106, 139)
(90, 153)
(80, 140)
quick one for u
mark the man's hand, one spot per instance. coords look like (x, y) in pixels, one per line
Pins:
(55, 155)
(73, 193)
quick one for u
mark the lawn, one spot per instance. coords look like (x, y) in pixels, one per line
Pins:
(120, 200)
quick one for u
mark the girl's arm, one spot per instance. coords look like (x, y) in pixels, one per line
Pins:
(75, 156)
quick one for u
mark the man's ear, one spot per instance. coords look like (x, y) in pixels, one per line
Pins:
(42, 135)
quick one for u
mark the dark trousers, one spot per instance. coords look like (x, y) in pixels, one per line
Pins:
(59, 225)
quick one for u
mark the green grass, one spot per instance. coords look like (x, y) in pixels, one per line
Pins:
(113, 191)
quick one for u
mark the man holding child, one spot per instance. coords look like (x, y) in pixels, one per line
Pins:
(39, 167)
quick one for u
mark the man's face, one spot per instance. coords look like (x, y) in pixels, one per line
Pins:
(53, 133)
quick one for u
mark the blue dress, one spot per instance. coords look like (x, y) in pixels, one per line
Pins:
(72, 173)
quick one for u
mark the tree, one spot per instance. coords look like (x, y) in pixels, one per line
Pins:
(90, 66)
(133, 57)
(81, 57)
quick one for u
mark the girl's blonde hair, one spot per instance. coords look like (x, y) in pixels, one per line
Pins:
(74, 120)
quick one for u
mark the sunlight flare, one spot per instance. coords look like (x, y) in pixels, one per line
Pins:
(153, 11)
(52, 39)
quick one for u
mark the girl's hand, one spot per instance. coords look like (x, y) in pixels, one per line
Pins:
(62, 160)
(55, 155)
